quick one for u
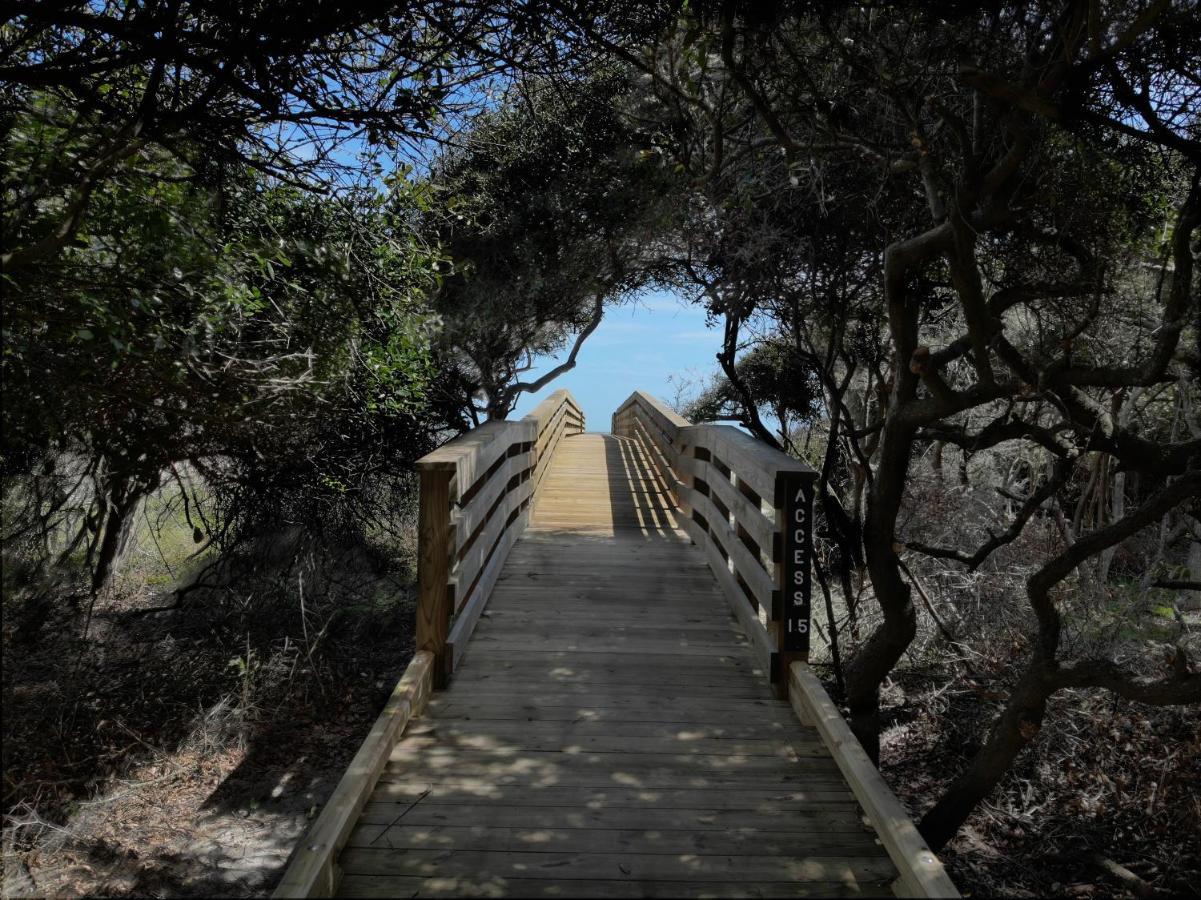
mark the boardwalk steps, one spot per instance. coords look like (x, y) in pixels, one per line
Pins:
(609, 730)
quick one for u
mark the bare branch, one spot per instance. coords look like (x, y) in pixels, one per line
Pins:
(532, 387)
(1175, 690)
(1035, 501)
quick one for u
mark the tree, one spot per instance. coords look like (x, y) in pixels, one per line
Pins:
(163, 236)
(547, 213)
(213, 325)
(1012, 192)
(289, 89)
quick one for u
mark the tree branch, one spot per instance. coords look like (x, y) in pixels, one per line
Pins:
(974, 560)
(124, 144)
(1176, 690)
(532, 387)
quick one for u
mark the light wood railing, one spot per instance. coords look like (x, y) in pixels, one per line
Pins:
(920, 872)
(313, 869)
(477, 494)
(748, 507)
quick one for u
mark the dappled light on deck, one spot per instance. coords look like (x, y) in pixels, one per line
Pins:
(603, 485)
(609, 731)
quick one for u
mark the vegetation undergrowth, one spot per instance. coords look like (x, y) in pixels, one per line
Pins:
(187, 739)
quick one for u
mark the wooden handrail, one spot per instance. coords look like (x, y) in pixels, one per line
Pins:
(556, 416)
(312, 871)
(477, 494)
(921, 873)
(748, 506)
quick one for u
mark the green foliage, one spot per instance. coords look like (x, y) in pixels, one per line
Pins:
(779, 380)
(206, 315)
(547, 214)
(210, 315)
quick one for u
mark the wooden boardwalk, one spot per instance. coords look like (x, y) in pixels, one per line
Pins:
(608, 732)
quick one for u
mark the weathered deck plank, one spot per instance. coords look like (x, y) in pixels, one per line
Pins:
(609, 732)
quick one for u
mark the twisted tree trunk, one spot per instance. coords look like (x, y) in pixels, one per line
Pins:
(1022, 717)
(119, 498)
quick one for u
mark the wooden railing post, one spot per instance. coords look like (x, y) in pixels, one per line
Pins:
(434, 601)
(749, 507)
(491, 474)
(790, 614)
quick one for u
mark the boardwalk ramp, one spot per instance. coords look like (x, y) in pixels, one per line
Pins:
(606, 725)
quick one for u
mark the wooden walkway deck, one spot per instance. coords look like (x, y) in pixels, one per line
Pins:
(608, 732)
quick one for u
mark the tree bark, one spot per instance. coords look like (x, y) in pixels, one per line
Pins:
(877, 657)
(1022, 717)
(122, 495)
(501, 402)
(1017, 726)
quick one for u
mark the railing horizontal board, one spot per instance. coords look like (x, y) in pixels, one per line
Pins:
(473, 514)
(547, 409)
(733, 493)
(755, 463)
(747, 565)
(555, 427)
(662, 438)
(667, 419)
(477, 555)
(653, 431)
(751, 626)
(469, 614)
(562, 428)
(471, 455)
(545, 447)
(491, 475)
(749, 515)
(656, 456)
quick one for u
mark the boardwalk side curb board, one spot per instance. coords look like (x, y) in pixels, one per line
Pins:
(921, 872)
(312, 871)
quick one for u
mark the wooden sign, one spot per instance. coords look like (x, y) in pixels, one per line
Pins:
(797, 580)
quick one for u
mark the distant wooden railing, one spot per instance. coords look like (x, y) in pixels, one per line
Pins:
(748, 506)
(477, 494)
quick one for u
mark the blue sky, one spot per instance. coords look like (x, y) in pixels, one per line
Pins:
(638, 346)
